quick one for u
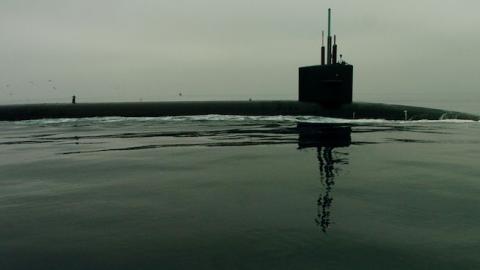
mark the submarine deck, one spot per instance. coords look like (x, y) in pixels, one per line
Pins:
(358, 110)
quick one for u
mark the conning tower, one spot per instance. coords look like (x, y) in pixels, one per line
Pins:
(329, 83)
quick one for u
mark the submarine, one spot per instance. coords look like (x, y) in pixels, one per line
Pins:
(323, 90)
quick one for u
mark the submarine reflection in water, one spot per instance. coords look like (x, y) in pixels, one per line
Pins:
(325, 137)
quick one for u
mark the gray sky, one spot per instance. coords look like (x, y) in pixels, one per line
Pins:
(115, 50)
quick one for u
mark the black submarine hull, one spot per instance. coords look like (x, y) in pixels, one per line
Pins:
(356, 110)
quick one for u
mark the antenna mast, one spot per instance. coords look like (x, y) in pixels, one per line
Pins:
(323, 48)
(329, 38)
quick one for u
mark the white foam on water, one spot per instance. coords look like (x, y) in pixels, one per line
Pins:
(230, 118)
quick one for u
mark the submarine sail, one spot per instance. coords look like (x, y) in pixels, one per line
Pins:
(328, 84)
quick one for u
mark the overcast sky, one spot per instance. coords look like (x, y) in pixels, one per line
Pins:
(114, 50)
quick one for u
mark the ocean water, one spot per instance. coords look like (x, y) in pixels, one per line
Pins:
(233, 192)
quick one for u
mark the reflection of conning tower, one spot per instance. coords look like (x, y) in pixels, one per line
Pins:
(330, 83)
(325, 138)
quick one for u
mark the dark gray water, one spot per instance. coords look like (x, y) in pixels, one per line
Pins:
(217, 192)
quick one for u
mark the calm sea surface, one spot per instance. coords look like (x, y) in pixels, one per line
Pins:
(220, 192)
